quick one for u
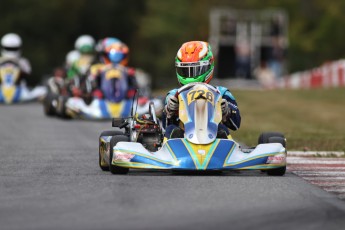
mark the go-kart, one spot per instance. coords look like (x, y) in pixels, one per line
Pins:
(100, 109)
(12, 90)
(140, 145)
(66, 103)
(60, 91)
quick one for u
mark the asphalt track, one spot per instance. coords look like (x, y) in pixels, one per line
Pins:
(50, 179)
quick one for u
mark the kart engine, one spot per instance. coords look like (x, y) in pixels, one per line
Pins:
(149, 135)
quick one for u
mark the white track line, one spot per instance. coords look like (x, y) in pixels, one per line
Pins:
(315, 161)
(316, 153)
(328, 184)
(316, 178)
(310, 168)
(335, 190)
(318, 173)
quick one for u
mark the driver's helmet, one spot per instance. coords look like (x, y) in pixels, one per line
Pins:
(115, 51)
(194, 62)
(11, 45)
(85, 44)
(71, 57)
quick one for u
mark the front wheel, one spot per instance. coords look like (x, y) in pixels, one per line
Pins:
(113, 168)
(102, 148)
(48, 104)
(274, 137)
(61, 107)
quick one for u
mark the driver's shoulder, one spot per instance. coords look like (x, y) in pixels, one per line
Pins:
(8, 59)
(225, 92)
(172, 92)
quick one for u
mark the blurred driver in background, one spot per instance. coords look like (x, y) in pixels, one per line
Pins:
(112, 79)
(78, 63)
(11, 45)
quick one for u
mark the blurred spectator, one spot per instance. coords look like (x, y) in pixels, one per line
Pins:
(276, 57)
(265, 75)
(228, 26)
(276, 29)
(242, 69)
(277, 51)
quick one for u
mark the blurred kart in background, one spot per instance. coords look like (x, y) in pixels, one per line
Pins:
(141, 144)
(100, 109)
(75, 100)
(12, 89)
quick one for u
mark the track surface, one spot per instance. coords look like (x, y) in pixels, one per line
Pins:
(50, 179)
(326, 172)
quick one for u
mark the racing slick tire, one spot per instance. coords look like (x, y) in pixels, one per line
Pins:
(100, 160)
(59, 106)
(273, 137)
(113, 168)
(48, 107)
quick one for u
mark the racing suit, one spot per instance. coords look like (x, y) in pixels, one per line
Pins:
(113, 82)
(231, 118)
(22, 63)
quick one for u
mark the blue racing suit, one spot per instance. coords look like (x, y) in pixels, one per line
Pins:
(232, 120)
(113, 82)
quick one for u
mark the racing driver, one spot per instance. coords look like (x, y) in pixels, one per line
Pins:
(194, 62)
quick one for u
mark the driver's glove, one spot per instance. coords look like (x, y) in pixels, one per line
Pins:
(172, 106)
(225, 109)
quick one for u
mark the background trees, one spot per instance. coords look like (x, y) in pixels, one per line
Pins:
(155, 29)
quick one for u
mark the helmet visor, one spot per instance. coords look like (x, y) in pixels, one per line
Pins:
(192, 69)
(116, 56)
(11, 48)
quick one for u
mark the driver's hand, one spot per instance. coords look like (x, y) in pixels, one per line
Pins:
(172, 106)
(225, 108)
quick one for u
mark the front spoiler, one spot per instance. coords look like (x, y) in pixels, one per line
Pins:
(20, 94)
(100, 109)
(179, 154)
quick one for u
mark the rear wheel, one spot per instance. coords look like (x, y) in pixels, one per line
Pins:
(102, 164)
(273, 137)
(48, 107)
(113, 168)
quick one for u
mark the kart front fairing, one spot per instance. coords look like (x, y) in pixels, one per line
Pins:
(222, 154)
(200, 112)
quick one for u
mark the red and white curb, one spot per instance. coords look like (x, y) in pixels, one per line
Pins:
(323, 169)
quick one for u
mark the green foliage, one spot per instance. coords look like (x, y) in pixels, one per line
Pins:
(155, 29)
(50, 28)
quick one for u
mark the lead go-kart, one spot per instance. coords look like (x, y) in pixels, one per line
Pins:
(141, 144)
(11, 89)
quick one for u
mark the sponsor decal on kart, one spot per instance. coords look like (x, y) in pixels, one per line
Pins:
(276, 159)
(123, 157)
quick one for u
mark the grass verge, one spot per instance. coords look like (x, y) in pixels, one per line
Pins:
(310, 119)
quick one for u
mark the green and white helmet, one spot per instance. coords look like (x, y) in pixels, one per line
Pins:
(194, 62)
(85, 44)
